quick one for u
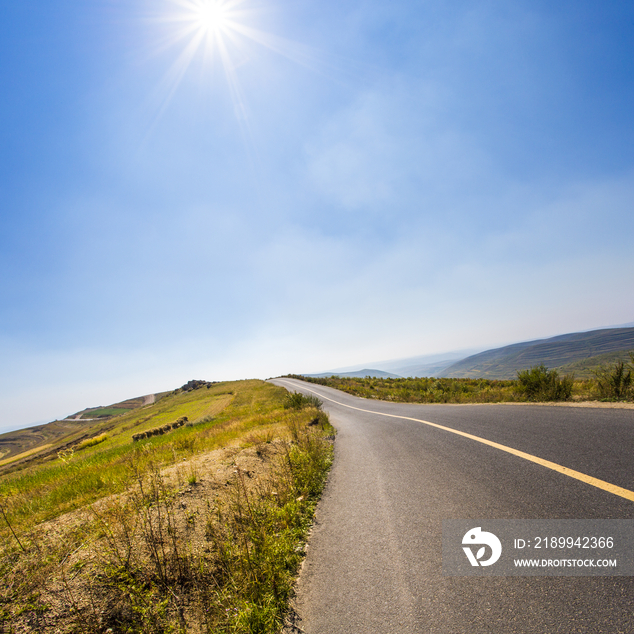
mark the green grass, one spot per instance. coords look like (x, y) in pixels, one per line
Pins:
(151, 576)
(423, 390)
(295, 400)
(541, 384)
(90, 442)
(44, 491)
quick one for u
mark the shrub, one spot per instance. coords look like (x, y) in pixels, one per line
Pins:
(295, 400)
(538, 383)
(615, 381)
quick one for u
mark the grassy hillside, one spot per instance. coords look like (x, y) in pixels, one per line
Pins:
(45, 441)
(113, 410)
(586, 368)
(422, 390)
(556, 352)
(49, 481)
(198, 527)
(22, 444)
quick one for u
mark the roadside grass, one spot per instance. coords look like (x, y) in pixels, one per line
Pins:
(422, 390)
(536, 384)
(143, 562)
(296, 400)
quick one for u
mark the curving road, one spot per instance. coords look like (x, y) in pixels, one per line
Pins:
(374, 564)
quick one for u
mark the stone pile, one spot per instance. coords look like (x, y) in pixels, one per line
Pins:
(159, 431)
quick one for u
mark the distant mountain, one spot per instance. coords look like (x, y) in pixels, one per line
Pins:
(375, 374)
(425, 369)
(556, 352)
(418, 366)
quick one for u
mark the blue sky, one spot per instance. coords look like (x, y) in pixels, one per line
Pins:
(308, 185)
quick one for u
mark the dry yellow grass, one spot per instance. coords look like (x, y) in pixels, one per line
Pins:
(24, 454)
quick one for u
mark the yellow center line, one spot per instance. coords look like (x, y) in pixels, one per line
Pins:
(571, 473)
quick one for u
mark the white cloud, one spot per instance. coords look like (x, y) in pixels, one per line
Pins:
(392, 150)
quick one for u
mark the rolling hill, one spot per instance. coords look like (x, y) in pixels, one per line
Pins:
(24, 444)
(42, 441)
(580, 350)
(107, 411)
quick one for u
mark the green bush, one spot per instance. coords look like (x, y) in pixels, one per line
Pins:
(615, 381)
(538, 383)
(295, 400)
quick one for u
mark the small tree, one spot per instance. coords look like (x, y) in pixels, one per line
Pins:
(538, 383)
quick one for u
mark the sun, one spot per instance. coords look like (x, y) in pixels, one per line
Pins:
(215, 34)
(212, 16)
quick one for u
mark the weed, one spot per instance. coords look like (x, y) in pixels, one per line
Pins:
(6, 519)
(242, 579)
(192, 478)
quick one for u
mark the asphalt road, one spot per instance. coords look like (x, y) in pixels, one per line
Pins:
(374, 562)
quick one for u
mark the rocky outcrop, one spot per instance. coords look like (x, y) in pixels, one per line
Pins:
(195, 385)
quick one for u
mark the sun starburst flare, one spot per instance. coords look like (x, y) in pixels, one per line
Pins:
(212, 17)
(219, 34)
